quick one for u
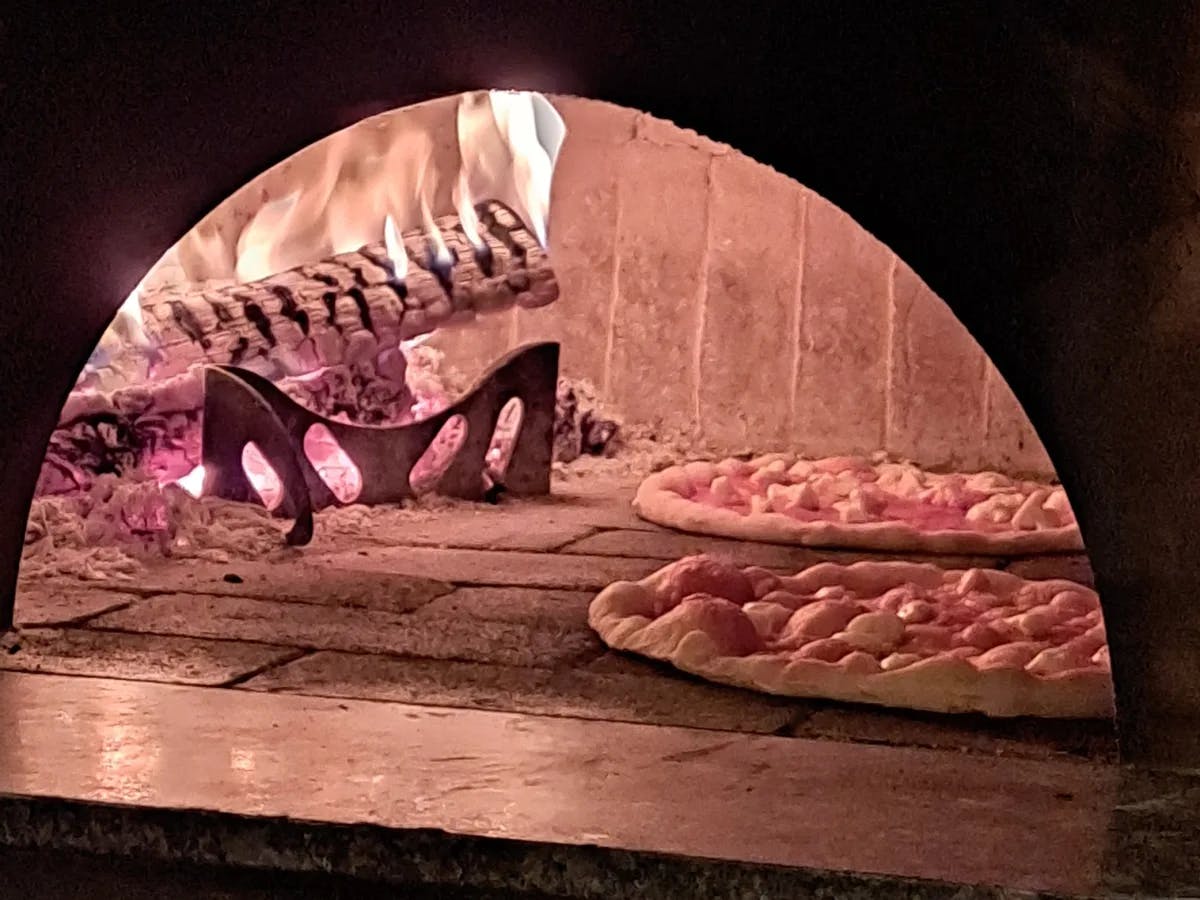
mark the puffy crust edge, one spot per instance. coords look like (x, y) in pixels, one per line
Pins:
(620, 615)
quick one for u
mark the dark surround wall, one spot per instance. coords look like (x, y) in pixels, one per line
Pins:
(1034, 162)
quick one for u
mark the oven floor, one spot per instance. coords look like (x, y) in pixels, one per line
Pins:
(479, 607)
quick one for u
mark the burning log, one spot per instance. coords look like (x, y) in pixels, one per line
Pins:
(355, 307)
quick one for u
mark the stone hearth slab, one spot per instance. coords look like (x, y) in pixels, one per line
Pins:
(656, 699)
(571, 807)
(293, 579)
(1039, 738)
(668, 545)
(531, 641)
(63, 603)
(517, 569)
(533, 607)
(536, 525)
(179, 660)
(603, 501)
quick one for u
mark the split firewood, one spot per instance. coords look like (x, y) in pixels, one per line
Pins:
(353, 307)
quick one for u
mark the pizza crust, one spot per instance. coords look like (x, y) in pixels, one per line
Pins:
(630, 616)
(664, 498)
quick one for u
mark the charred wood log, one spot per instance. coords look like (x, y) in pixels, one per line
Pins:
(578, 428)
(353, 307)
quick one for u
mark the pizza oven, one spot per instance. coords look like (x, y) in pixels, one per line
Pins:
(363, 282)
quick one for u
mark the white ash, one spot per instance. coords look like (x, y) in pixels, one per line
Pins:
(113, 530)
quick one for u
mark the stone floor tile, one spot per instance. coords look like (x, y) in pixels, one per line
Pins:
(603, 502)
(50, 603)
(673, 545)
(570, 572)
(139, 657)
(537, 524)
(449, 636)
(294, 580)
(1038, 738)
(528, 606)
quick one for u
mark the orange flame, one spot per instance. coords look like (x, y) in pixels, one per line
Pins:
(367, 183)
(395, 248)
(465, 208)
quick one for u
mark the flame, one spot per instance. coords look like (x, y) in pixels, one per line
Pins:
(509, 142)
(465, 208)
(205, 253)
(193, 482)
(395, 248)
(369, 182)
(379, 172)
(256, 249)
(441, 253)
(425, 188)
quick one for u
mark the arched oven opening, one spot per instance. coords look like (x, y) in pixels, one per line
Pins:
(1054, 222)
(508, 299)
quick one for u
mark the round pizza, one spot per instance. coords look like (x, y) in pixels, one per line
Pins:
(897, 634)
(847, 501)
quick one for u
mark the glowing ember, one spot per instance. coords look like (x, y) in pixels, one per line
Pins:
(193, 482)
(263, 478)
(333, 464)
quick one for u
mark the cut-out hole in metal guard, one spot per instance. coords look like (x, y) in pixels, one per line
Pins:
(263, 477)
(435, 461)
(504, 438)
(336, 469)
(241, 407)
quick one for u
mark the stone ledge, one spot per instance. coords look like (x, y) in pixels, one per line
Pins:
(453, 866)
(575, 809)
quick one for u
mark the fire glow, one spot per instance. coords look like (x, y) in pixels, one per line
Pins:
(373, 182)
(367, 183)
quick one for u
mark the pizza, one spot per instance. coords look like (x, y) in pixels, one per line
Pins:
(896, 634)
(847, 501)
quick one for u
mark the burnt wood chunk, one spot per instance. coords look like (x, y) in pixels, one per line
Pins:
(315, 311)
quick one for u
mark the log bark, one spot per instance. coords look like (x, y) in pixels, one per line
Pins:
(351, 308)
